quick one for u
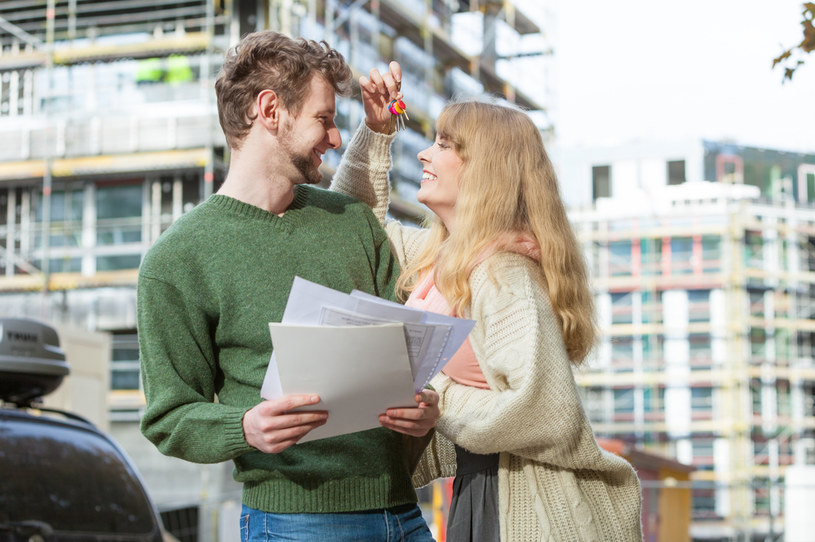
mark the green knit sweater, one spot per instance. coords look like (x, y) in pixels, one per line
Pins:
(207, 290)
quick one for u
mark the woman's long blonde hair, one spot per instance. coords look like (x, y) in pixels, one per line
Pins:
(507, 185)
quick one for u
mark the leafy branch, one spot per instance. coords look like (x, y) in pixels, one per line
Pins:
(807, 45)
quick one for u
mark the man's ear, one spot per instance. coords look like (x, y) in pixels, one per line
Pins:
(268, 109)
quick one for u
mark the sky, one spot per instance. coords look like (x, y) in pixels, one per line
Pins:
(627, 70)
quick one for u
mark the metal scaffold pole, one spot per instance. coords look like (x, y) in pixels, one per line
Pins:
(50, 14)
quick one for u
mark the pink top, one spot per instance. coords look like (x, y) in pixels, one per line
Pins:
(462, 367)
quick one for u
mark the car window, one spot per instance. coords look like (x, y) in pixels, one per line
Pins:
(71, 478)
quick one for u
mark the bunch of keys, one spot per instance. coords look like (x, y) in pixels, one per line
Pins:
(397, 109)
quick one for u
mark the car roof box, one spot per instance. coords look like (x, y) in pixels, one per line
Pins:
(32, 364)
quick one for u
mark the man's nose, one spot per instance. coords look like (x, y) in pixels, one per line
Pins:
(334, 138)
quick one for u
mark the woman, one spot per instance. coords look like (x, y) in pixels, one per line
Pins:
(499, 249)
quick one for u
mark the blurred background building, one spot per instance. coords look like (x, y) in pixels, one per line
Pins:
(701, 253)
(109, 132)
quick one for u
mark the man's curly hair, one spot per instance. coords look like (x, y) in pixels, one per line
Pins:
(270, 60)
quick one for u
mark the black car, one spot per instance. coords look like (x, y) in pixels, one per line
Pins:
(61, 479)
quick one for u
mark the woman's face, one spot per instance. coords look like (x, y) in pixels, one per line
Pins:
(441, 169)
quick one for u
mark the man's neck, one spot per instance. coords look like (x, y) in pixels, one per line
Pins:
(251, 182)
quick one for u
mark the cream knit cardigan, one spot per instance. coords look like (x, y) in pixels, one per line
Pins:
(554, 482)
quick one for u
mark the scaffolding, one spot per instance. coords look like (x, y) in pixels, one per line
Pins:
(109, 133)
(95, 92)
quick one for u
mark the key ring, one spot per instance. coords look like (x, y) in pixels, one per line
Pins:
(397, 109)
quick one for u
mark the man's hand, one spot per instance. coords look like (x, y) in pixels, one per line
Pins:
(415, 421)
(378, 89)
(271, 428)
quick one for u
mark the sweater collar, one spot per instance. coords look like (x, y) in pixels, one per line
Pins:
(247, 210)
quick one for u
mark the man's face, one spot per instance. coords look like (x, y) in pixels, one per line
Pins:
(306, 137)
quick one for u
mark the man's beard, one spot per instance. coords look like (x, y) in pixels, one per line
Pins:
(304, 163)
(306, 167)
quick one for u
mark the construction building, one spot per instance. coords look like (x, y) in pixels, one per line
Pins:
(702, 255)
(109, 133)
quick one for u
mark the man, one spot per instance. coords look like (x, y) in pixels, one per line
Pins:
(215, 278)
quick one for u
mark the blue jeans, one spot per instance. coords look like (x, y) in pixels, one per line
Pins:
(398, 524)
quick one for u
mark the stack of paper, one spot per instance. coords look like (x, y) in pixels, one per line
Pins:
(359, 353)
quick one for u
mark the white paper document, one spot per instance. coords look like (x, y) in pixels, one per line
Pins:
(359, 353)
(358, 372)
(442, 345)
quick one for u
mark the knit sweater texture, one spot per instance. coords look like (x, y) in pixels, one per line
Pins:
(207, 290)
(555, 482)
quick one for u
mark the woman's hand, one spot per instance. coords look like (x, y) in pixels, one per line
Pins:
(415, 421)
(378, 89)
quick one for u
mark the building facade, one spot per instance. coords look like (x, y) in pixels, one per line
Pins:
(109, 133)
(703, 260)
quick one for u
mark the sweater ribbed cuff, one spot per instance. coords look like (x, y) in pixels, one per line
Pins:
(234, 439)
(376, 146)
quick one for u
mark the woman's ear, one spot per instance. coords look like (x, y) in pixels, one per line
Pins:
(268, 109)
